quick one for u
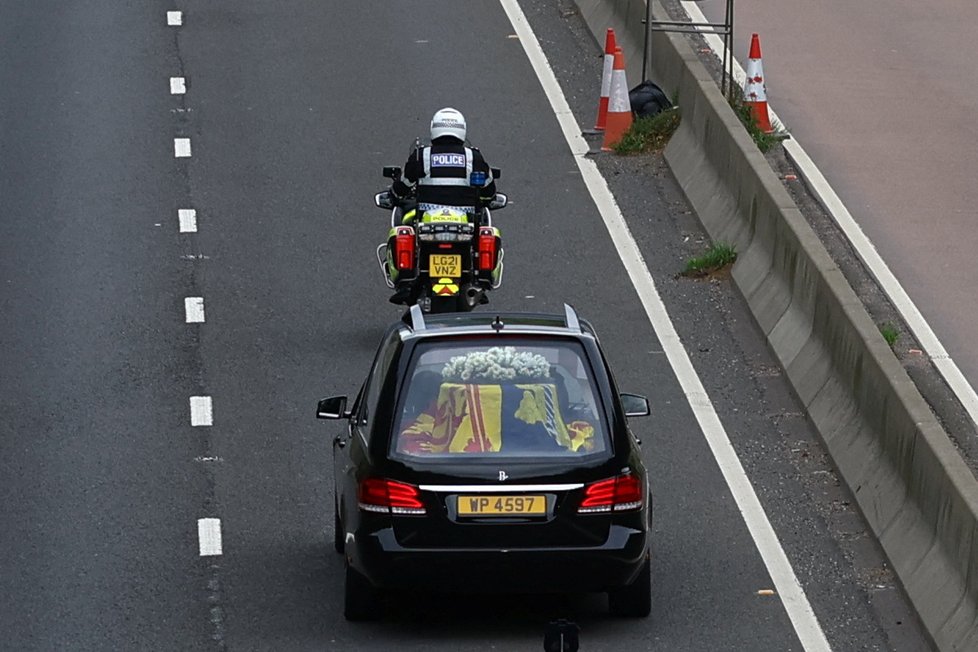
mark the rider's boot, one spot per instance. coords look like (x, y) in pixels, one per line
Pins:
(401, 294)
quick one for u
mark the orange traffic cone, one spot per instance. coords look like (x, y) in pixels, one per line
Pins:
(755, 91)
(609, 64)
(619, 109)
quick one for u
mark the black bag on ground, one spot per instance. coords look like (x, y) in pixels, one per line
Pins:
(647, 99)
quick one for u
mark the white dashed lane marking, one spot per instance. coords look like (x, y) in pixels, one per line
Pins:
(195, 309)
(201, 407)
(201, 411)
(188, 220)
(181, 147)
(209, 536)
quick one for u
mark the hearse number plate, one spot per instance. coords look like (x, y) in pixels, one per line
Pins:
(486, 505)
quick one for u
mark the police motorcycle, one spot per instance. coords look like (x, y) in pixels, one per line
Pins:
(448, 257)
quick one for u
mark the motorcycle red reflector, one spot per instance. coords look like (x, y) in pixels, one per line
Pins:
(390, 497)
(621, 493)
(404, 248)
(487, 249)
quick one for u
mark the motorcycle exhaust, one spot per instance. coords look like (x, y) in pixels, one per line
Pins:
(473, 296)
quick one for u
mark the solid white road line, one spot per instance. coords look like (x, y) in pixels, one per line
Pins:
(209, 536)
(194, 307)
(178, 85)
(188, 220)
(864, 247)
(174, 18)
(181, 147)
(793, 597)
(201, 411)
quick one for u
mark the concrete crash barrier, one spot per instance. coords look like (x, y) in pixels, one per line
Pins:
(916, 492)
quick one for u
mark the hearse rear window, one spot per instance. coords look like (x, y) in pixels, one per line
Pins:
(493, 398)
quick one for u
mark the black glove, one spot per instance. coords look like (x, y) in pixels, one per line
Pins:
(400, 190)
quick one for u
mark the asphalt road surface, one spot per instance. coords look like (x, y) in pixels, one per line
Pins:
(163, 483)
(883, 96)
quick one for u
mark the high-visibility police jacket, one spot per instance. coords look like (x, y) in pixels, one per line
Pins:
(442, 171)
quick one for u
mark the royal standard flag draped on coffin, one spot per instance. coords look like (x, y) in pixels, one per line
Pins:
(487, 418)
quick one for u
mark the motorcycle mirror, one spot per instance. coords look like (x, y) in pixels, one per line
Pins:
(498, 201)
(392, 172)
(383, 200)
(496, 173)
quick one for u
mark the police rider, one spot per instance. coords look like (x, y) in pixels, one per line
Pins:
(441, 174)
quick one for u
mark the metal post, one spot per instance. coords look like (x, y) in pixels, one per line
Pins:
(729, 38)
(648, 32)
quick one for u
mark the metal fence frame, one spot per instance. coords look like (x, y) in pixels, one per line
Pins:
(724, 29)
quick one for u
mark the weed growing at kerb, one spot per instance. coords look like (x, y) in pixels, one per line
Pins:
(649, 134)
(717, 257)
(889, 333)
(764, 141)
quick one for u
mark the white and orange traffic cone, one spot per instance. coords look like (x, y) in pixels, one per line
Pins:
(755, 91)
(609, 64)
(619, 108)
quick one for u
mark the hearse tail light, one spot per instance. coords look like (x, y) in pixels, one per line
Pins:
(618, 494)
(390, 497)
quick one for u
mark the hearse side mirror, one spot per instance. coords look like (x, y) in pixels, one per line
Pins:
(635, 405)
(333, 407)
(498, 201)
(384, 200)
(392, 172)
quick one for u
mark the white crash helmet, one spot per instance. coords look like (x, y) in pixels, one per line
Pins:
(448, 122)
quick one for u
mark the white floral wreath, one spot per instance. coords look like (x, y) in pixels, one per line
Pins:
(498, 363)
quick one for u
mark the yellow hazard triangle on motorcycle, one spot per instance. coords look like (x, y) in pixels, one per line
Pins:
(445, 287)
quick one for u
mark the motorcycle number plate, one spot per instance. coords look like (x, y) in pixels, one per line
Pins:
(445, 265)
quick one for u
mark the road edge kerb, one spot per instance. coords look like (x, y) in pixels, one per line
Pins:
(916, 492)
